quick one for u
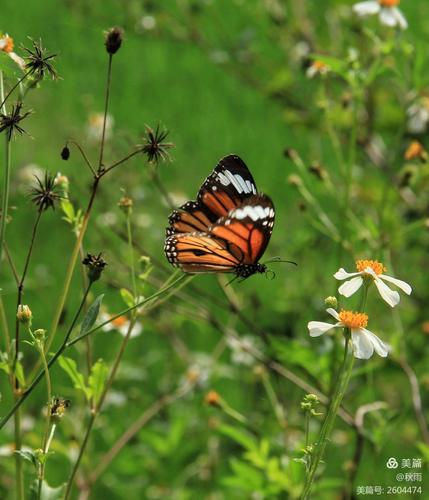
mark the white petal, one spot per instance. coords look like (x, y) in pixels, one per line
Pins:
(388, 295)
(416, 125)
(333, 313)
(342, 274)
(362, 345)
(380, 347)
(387, 17)
(311, 71)
(317, 328)
(366, 8)
(405, 287)
(400, 18)
(348, 288)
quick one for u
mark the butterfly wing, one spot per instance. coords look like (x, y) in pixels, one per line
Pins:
(236, 240)
(248, 227)
(201, 253)
(225, 188)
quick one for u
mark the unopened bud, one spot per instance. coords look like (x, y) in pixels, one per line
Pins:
(24, 315)
(331, 302)
(65, 153)
(212, 398)
(126, 204)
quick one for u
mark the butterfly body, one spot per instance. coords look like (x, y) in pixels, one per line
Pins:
(227, 228)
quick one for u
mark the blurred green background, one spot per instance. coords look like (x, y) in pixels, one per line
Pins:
(223, 77)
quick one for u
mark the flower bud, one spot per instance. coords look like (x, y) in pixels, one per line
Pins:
(331, 302)
(39, 335)
(24, 315)
(126, 204)
(113, 40)
(212, 398)
(65, 153)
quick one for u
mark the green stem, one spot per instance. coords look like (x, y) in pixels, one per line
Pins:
(19, 473)
(46, 439)
(5, 198)
(39, 377)
(343, 380)
(131, 250)
(79, 458)
(106, 107)
(66, 344)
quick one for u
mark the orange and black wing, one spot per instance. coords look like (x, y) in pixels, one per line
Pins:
(201, 253)
(234, 244)
(226, 188)
(248, 227)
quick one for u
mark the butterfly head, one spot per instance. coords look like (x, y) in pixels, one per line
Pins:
(245, 270)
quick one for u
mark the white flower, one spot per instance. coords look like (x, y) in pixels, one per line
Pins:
(6, 45)
(317, 68)
(374, 270)
(121, 325)
(364, 342)
(418, 116)
(242, 349)
(387, 11)
(95, 126)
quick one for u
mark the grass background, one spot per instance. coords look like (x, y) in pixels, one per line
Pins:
(256, 106)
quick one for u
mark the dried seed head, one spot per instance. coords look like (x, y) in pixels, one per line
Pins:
(154, 148)
(95, 265)
(113, 40)
(10, 122)
(45, 194)
(38, 63)
(58, 408)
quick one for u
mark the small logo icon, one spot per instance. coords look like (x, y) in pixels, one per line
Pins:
(392, 463)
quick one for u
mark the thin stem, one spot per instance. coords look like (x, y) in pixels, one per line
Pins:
(39, 377)
(22, 280)
(134, 428)
(66, 344)
(79, 458)
(82, 152)
(328, 423)
(106, 106)
(126, 311)
(5, 198)
(71, 266)
(48, 422)
(119, 162)
(13, 88)
(131, 250)
(164, 193)
(19, 473)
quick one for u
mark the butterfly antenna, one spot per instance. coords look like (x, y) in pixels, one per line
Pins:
(278, 259)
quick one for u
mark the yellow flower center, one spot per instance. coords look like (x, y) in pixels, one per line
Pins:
(319, 66)
(414, 150)
(6, 43)
(376, 266)
(389, 3)
(353, 319)
(119, 321)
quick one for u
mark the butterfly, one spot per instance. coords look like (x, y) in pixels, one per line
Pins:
(226, 229)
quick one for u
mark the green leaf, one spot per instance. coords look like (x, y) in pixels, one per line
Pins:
(97, 379)
(69, 366)
(127, 297)
(91, 315)
(19, 373)
(68, 210)
(48, 492)
(28, 455)
(242, 437)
